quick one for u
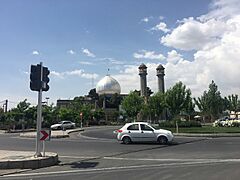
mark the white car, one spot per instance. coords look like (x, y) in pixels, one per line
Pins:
(63, 125)
(143, 132)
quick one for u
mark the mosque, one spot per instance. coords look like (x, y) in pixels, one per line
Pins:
(107, 94)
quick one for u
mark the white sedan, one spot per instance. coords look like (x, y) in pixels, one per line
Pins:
(63, 125)
(143, 132)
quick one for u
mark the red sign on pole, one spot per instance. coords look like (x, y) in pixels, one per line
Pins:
(45, 135)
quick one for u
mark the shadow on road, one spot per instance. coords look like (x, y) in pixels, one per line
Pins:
(83, 164)
(93, 162)
(155, 147)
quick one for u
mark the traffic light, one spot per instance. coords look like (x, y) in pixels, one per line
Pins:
(35, 77)
(45, 79)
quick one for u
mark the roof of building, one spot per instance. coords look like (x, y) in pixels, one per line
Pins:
(108, 85)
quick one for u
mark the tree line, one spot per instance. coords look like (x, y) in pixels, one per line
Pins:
(176, 102)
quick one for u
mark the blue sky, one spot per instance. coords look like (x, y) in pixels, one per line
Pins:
(80, 39)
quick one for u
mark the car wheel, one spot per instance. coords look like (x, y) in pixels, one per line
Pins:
(59, 127)
(126, 140)
(162, 140)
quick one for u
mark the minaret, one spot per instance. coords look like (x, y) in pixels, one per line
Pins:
(160, 75)
(143, 81)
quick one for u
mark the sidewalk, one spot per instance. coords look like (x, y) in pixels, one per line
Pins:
(15, 161)
(25, 160)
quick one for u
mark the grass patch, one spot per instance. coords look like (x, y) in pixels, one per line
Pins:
(205, 130)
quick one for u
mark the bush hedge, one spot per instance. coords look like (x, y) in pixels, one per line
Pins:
(185, 124)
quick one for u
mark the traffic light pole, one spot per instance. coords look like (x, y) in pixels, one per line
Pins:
(39, 118)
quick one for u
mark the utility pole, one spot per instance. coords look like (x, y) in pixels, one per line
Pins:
(6, 105)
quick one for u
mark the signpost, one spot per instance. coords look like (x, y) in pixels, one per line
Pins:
(45, 136)
(39, 82)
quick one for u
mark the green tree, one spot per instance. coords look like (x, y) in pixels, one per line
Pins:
(87, 113)
(132, 104)
(31, 117)
(66, 114)
(98, 114)
(178, 99)
(77, 103)
(202, 104)
(156, 104)
(215, 102)
(18, 114)
(48, 113)
(234, 103)
(211, 103)
(2, 118)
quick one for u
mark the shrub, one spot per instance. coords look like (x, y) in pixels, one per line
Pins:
(183, 124)
(236, 124)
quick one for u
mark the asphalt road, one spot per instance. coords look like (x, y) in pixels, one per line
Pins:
(95, 154)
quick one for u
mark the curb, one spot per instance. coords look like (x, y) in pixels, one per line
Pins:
(33, 135)
(31, 162)
(64, 134)
(208, 135)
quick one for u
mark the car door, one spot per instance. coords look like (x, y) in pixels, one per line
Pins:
(66, 124)
(134, 132)
(147, 133)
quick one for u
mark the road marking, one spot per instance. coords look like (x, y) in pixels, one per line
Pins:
(80, 157)
(146, 166)
(179, 160)
(93, 138)
(150, 159)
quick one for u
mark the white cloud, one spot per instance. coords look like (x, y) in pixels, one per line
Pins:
(222, 9)
(161, 17)
(88, 53)
(78, 72)
(146, 19)
(215, 37)
(143, 54)
(193, 34)
(35, 52)
(57, 74)
(112, 61)
(174, 57)
(85, 63)
(161, 27)
(71, 52)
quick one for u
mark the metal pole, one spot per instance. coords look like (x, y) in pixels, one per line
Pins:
(44, 148)
(6, 105)
(39, 118)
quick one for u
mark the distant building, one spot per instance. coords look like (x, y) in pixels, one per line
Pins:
(107, 94)
(63, 103)
(109, 91)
